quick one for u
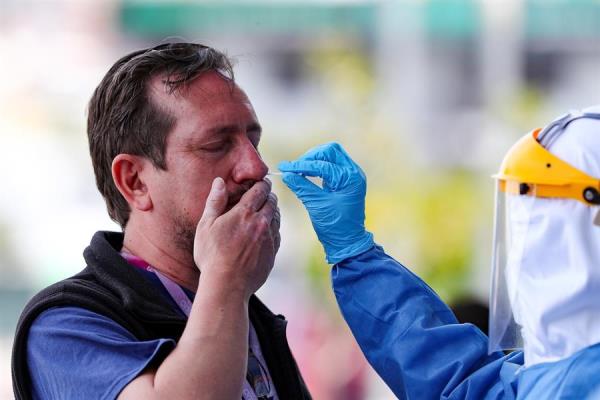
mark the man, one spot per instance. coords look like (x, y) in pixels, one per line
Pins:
(166, 308)
(546, 276)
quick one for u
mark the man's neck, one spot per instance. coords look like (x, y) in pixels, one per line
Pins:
(169, 260)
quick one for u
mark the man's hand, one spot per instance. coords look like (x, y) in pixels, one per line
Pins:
(235, 252)
(337, 211)
(237, 249)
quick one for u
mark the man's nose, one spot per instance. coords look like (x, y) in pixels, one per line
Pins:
(249, 166)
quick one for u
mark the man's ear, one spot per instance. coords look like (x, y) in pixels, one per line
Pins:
(127, 174)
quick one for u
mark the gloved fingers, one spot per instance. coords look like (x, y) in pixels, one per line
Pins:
(308, 167)
(335, 153)
(332, 152)
(323, 152)
(301, 186)
(330, 172)
(342, 158)
(343, 155)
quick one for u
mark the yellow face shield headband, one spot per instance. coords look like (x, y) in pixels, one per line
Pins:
(530, 169)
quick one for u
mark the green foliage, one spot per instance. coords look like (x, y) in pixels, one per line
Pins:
(426, 216)
(429, 224)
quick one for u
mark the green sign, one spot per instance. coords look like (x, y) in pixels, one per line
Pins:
(562, 19)
(442, 18)
(169, 18)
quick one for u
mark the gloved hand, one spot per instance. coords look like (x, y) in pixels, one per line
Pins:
(337, 211)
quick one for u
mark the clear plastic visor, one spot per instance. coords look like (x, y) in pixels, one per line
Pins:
(511, 223)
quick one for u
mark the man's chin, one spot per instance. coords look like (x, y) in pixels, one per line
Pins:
(185, 233)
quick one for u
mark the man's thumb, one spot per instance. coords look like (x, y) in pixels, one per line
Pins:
(216, 202)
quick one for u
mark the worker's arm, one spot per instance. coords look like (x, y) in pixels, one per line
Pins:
(407, 333)
(410, 337)
(235, 252)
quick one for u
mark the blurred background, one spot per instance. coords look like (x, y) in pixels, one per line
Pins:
(426, 95)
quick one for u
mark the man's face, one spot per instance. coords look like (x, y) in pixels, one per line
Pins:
(216, 134)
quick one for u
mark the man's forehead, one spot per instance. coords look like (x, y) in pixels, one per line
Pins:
(205, 87)
(208, 105)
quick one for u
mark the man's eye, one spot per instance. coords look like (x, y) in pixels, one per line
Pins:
(215, 147)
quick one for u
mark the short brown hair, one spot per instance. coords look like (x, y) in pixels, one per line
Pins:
(123, 117)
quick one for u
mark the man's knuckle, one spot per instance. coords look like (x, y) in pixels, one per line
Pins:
(264, 223)
(246, 209)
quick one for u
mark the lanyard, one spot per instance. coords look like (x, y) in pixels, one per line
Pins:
(175, 291)
(185, 305)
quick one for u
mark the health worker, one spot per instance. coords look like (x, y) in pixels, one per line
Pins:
(545, 294)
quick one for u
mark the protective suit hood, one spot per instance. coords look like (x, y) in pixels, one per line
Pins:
(551, 272)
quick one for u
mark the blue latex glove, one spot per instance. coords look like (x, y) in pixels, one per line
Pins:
(337, 211)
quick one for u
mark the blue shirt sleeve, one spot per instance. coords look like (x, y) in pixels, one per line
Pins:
(411, 338)
(74, 353)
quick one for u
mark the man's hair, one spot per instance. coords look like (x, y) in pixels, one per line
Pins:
(124, 118)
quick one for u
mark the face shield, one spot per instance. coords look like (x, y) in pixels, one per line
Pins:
(528, 177)
(511, 223)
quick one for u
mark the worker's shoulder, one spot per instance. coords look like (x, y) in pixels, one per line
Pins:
(575, 377)
(581, 374)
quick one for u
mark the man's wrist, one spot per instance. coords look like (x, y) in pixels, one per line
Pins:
(223, 289)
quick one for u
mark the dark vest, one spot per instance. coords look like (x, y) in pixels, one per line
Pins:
(111, 287)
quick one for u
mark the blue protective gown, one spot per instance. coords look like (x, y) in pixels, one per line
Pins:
(414, 342)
